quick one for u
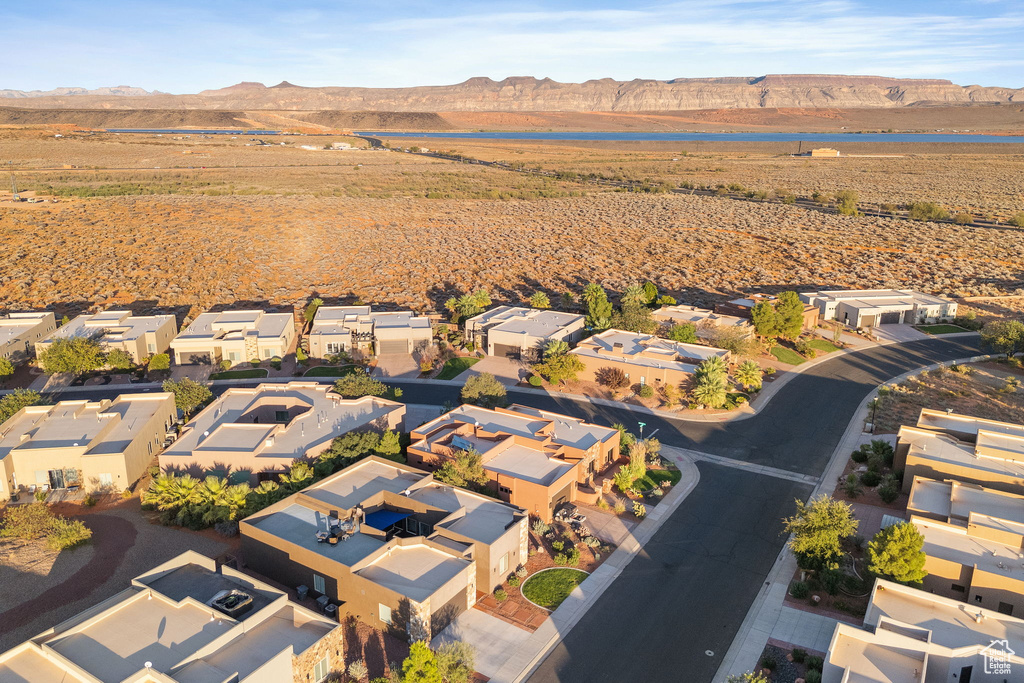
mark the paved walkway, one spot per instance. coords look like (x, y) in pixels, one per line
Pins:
(528, 656)
(392, 365)
(493, 640)
(608, 526)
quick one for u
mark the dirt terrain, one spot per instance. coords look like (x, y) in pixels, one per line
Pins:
(178, 221)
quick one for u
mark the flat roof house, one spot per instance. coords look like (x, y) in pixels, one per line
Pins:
(644, 358)
(395, 548)
(235, 336)
(19, 333)
(140, 336)
(344, 328)
(534, 459)
(870, 307)
(249, 434)
(512, 331)
(913, 636)
(98, 445)
(185, 621)
(705, 320)
(970, 449)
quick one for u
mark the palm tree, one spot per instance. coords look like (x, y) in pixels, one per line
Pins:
(237, 500)
(710, 392)
(540, 300)
(556, 347)
(748, 374)
(266, 493)
(712, 368)
(161, 491)
(634, 294)
(185, 491)
(298, 477)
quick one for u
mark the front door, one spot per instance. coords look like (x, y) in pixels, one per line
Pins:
(965, 674)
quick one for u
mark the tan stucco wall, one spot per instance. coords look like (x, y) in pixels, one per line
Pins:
(651, 375)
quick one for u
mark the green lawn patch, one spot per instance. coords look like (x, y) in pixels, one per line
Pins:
(787, 355)
(653, 479)
(941, 329)
(550, 587)
(330, 371)
(240, 374)
(822, 346)
(455, 367)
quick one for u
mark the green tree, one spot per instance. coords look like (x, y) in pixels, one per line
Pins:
(846, 202)
(683, 332)
(568, 300)
(666, 300)
(311, 309)
(390, 445)
(1018, 219)
(6, 368)
(468, 305)
(188, 394)
(556, 347)
(765, 319)
(711, 368)
(119, 359)
(749, 374)
(16, 400)
(818, 529)
(633, 294)
(540, 300)
(791, 315)
(897, 553)
(559, 368)
(75, 355)
(711, 392)
(927, 211)
(160, 361)
(634, 317)
(599, 308)
(650, 292)
(626, 438)
(359, 384)
(1003, 336)
(420, 666)
(465, 468)
(484, 390)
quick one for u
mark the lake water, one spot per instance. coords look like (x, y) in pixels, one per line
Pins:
(694, 137)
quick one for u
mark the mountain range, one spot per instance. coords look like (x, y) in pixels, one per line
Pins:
(528, 94)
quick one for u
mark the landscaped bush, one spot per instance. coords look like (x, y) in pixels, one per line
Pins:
(36, 521)
(558, 545)
(513, 581)
(799, 655)
(500, 595)
(572, 558)
(275, 363)
(799, 590)
(871, 478)
(889, 490)
(768, 662)
(646, 391)
(815, 664)
(831, 580)
(521, 572)
(560, 559)
(860, 455)
(851, 487)
(812, 676)
(540, 527)
(639, 509)
(535, 380)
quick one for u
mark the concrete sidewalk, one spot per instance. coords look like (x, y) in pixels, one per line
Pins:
(492, 639)
(530, 654)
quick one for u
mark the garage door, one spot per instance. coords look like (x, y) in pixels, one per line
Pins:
(891, 317)
(507, 351)
(393, 346)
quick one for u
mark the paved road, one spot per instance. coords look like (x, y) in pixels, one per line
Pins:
(687, 591)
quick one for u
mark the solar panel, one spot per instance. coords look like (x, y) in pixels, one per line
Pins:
(461, 443)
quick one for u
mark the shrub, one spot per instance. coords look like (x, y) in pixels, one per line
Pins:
(89, 501)
(889, 490)
(799, 655)
(276, 364)
(541, 528)
(573, 557)
(799, 590)
(871, 478)
(851, 487)
(558, 545)
(927, 211)
(255, 362)
(768, 662)
(884, 450)
(40, 496)
(357, 670)
(613, 378)
(160, 361)
(812, 676)
(225, 365)
(831, 580)
(1018, 219)
(560, 560)
(521, 572)
(513, 581)
(500, 595)
(639, 510)
(619, 507)
(484, 390)
(860, 455)
(963, 218)
(815, 664)
(66, 533)
(646, 391)
(535, 380)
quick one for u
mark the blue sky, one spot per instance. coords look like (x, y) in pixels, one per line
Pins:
(190, 45)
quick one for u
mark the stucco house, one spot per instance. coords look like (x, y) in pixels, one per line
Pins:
(706, 321)
(644, 358)
(97, 445)
(870, 307)
(344, 328)
(254, 434)
(396, 549)
(20, 332)
(185, 621)
(517, 332)
(235, 336)
(140, 336)
(534, 459)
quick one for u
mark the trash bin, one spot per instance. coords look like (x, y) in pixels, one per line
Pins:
(331, 611)
(302, 592)
(322, 602)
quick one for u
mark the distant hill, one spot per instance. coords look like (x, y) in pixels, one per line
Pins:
(528, 94)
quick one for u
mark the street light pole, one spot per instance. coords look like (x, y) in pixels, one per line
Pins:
(642, 425)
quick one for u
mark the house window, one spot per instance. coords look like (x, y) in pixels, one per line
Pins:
(321, 669)
(333, 347)
(1005, 608)
(151, 348)
(319, 585)
(233, 355)
(977, 598)
(268, 353)
(957, 588)
(106, 480)
(505, 489)
(384, 613)
(280, 415)
(503, 564)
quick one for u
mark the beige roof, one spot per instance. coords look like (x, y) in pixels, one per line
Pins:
(416, 571)
(331, 320)
(235, 324)
(529, 322)
(110, 326)
(15, 325)
(930, 445)
(956, 501)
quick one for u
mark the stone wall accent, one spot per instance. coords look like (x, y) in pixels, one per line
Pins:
(331, 646)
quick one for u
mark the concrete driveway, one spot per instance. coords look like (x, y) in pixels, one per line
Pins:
(609, 527)
(396, 365)
(898, 333)
(507, 371)
(493, 640)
